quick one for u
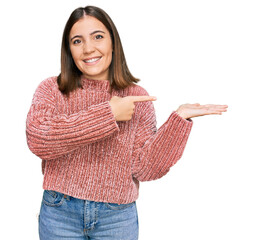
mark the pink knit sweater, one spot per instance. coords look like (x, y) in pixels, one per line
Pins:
(87, 154)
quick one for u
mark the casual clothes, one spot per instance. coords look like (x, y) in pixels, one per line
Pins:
(89, 155)
(65, 217)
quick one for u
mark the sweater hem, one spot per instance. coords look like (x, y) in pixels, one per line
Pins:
(86, 196)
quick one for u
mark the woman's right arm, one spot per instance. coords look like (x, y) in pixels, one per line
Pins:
(50, 135)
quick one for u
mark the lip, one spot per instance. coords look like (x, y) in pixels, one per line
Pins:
(92, 63)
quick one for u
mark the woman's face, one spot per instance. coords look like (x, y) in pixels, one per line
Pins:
(91, 48)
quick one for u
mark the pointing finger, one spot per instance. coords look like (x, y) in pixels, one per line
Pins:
(142, 98)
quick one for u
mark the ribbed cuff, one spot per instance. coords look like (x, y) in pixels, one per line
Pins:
(105, 116)
(188, 119)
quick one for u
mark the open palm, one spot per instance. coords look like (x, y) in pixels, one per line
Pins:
(195, 110)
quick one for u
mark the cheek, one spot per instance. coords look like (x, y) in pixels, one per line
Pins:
(108, 50)
(75, 54)
(108, 61)
(109, 56)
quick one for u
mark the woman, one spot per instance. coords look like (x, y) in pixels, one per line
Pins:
(95, 130)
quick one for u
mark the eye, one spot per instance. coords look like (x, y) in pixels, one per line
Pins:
(76, 41)
(98, 36)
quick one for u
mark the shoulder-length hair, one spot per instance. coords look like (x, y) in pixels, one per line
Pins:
(70, 77)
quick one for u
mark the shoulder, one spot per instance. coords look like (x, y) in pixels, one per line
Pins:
(48, 84)
(46, 90)
(137, 90)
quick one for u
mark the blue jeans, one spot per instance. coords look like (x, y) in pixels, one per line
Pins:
(65, 217)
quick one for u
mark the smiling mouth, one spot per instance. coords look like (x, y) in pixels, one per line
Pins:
(91, 60)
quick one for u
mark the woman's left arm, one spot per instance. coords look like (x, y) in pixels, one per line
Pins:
(155, 151)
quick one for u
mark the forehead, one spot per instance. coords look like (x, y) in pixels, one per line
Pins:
(86, 25)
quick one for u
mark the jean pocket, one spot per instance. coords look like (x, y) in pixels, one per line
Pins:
(53, 198)
(115, 206)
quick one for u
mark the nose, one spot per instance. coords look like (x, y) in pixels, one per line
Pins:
(88, 47)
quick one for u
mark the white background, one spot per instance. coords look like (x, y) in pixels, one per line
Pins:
(184, 52)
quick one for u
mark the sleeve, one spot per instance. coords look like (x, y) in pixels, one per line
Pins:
(51, 135)
(155, 151)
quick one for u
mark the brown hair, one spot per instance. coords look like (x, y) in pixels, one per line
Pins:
(70, 77)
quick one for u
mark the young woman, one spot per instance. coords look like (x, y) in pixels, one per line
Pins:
(95, 130)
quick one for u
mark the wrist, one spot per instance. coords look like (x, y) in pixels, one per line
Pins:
(181, 113)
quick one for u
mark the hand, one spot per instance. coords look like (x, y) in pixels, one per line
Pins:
(195, 110)
(123, 108)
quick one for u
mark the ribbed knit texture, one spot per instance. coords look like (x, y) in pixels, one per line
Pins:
(89, 155)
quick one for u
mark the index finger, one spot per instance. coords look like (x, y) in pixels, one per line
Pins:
(142, 98)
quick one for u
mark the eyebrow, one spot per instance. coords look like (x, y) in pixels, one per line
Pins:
(80, 36)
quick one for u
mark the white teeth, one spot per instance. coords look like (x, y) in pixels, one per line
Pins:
(91, 60)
